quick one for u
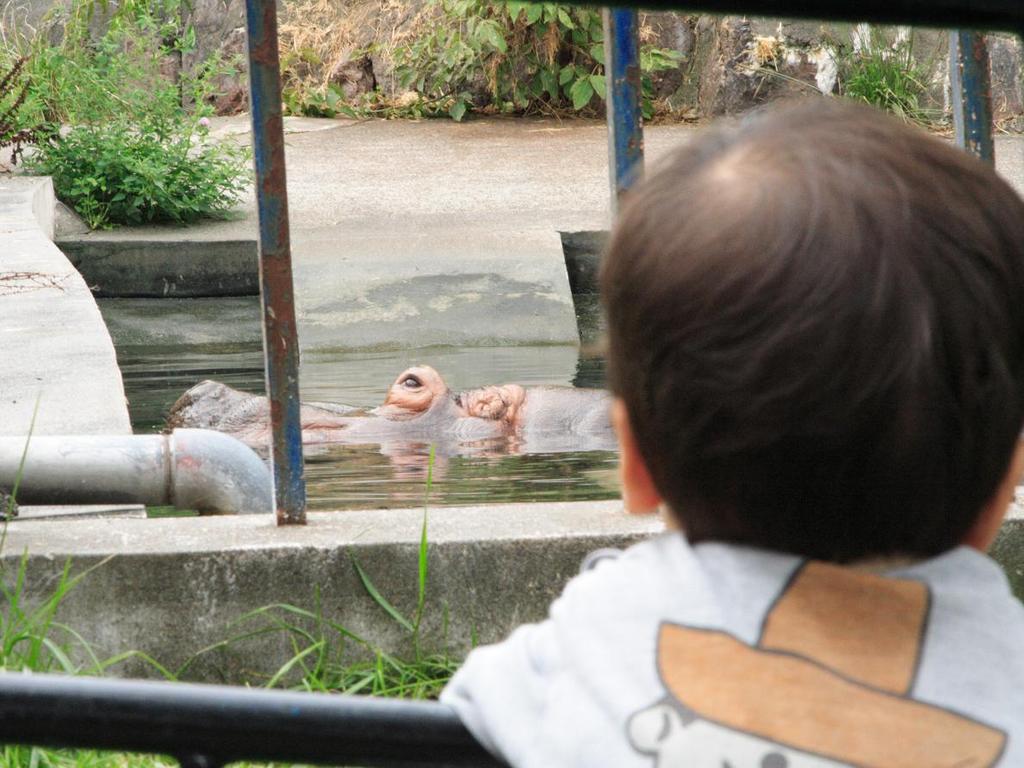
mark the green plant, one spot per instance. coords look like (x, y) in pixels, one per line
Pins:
(327, 101)
(133, 153)
(887, 75)
(33, 640)
(511, 56)
(320, 645)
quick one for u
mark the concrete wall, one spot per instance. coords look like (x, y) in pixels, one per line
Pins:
(172, 587)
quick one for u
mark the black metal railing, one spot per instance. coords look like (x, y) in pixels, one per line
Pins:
(208, 726)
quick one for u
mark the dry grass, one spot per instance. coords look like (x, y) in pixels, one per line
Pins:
(318, 35)
(16, 32)
(23, 282)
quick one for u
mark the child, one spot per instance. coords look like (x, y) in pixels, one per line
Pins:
(816, 345)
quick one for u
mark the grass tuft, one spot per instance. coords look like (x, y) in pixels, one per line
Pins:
(322, 648)
(888, 75)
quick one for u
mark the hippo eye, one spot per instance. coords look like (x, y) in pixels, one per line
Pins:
(411, 382)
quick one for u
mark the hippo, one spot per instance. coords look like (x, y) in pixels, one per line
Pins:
(419, 408)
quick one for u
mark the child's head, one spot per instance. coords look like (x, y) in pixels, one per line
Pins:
(816, 326)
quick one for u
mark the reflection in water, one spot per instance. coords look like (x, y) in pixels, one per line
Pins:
(394, 474)
(348, 476)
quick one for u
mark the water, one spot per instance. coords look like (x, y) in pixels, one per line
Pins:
(165, 346)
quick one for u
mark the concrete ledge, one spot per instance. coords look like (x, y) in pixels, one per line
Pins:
(51, 331)
(184, 267)
(174, 586)
(51, 327)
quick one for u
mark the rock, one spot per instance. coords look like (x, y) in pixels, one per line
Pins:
(170, 66)
(232, 88)
(1007, 67)
(214, 22)
(354, 77)
(730, 79)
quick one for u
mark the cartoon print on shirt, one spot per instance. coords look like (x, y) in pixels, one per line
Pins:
(827, 684)
(676, 737)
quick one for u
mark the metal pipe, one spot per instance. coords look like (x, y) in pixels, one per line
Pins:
(211, 725)
(970, 80)
(280, 336)
(625, 119)
(190, 469)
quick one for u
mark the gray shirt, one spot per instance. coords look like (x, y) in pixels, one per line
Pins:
(731, 657)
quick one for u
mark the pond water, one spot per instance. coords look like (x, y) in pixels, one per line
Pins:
(165, 346)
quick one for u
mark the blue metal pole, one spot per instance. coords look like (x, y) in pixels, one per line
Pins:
(280, 338)
(971, 84)
(625, 119)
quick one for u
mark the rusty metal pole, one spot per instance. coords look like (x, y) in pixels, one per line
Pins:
(971, 85)
(625, 118)
(280, 338)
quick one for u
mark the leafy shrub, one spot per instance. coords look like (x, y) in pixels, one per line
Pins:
(122, 173)
(518, 56)
(887, 75)
(133, 154)
(326, 101)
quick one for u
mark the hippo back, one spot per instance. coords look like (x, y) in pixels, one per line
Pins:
(556, 419)
(213, 405)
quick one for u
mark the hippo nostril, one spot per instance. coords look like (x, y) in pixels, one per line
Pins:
(458, 399)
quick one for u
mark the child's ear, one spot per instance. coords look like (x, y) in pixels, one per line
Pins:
(638, 492)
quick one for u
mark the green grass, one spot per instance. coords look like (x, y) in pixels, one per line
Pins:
(888, 75)
(326, 656)
(323, 648)
(170, 512)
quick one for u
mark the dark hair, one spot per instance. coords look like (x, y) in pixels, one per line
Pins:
(816, 322)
